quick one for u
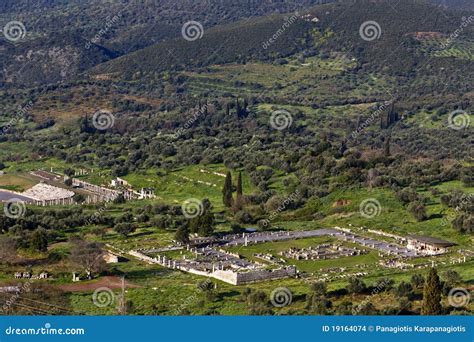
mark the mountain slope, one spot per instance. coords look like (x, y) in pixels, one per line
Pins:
(131, 25)
(59, 57)
(396, 49)
(237, 42)
(337, 28)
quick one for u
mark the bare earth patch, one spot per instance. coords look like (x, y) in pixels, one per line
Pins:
(112, 282)
(341, 203)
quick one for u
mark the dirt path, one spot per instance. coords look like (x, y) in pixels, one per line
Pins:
(112, 282)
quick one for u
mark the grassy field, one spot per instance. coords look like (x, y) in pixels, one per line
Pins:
(312, 75)
(21, 159)
(461, 49)
(392, 215)
(310, 266)
(16, 182)
(191, 182)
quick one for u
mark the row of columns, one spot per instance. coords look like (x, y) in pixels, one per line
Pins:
(60, 201)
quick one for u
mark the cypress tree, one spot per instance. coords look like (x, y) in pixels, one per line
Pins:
(239, 201)
(182, 235)
(85, 127)
(432, 295)
(239, 185)
(227, 191)
(206, 220)
(203, 224)
(238, 108)
(246, 105)
(39, 240)
(343, 147)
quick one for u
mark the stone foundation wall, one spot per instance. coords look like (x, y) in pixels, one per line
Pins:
(262, 275)
(236, 278)
(228, 276)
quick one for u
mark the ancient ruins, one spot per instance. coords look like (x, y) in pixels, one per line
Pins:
(324, 251)
(207, 256)
(227, 267)
(45, 194)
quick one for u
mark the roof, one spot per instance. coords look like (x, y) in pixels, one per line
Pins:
(431, 241)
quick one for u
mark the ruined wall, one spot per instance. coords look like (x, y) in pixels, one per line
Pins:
(261, 275)
(229, 277)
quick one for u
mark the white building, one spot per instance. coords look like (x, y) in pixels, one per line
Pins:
(428, 245)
